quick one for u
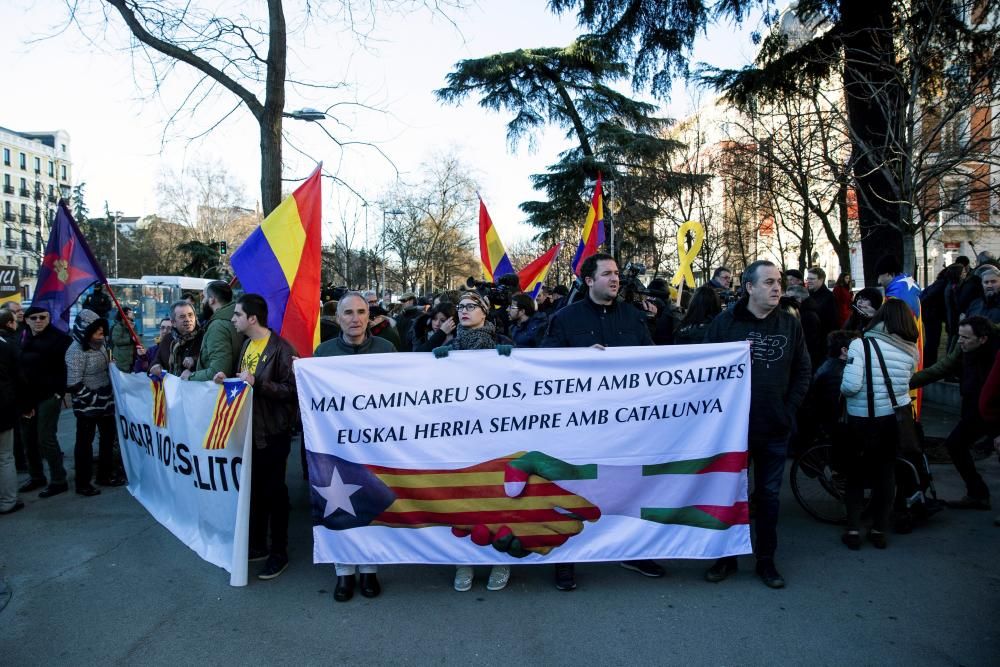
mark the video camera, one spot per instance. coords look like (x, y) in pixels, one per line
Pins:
(498, 294)
(631, 289)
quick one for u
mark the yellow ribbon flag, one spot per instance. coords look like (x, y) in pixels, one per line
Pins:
(686, 256)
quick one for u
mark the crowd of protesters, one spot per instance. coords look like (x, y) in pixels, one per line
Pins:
(837, 362)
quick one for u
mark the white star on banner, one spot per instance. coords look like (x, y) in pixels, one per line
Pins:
(337, 495)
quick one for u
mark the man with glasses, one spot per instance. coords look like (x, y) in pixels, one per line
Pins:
(17, 310)
(43, 354)
(527, 325)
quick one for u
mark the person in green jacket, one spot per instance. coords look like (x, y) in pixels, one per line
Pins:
(221, 344)
(122, 345)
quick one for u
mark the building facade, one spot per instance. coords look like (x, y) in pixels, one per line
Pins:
(36, 170)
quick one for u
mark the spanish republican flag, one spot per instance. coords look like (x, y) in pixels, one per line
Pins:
(492, 254)
(593, 229)
(280, 261)
(533, 275)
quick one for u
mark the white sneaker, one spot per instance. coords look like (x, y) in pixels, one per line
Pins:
(499, 576)
(463, 578)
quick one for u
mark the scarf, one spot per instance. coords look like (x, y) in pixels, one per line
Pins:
(483, 338)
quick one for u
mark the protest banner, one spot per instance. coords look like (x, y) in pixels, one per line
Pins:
(555, 455)
(187, 453)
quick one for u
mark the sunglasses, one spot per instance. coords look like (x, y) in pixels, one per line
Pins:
(38, 317)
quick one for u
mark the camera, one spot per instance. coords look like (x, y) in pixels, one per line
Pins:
(631, 289)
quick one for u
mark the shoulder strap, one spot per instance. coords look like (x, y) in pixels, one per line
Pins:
(868, 377)
(885, 374)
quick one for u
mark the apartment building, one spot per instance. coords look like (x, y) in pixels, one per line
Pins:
(36, 171)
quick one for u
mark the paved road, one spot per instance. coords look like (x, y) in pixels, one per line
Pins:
(97, 581)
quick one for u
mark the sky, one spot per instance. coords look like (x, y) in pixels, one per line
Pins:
(84, 79)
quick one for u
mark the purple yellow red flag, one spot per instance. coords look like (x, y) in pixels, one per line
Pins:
(66, 271)
(492, 254)
(533, 275)
(280, 261)
(228, 403)
(593, 229)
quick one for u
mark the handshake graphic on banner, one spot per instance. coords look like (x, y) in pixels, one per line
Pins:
(527, 502)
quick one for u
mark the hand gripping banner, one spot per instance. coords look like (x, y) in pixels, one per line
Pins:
(566, 455)
(197, 487)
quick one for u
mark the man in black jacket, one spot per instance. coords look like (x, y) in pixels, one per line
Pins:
(265, 363)
(779, 380)
(10, 387)
(43, 362)
(824, 301)
(599, 321)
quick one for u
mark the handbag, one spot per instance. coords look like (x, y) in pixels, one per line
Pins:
(909, 436)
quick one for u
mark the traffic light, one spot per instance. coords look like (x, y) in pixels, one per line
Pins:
(223, 248)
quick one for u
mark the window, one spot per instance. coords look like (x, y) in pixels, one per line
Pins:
(24, 184)
(24, 212)
(23, 161)
(6, 157)
(63, 146)
(38, 165)
(52, 168)
(62, 171)
(6, 180)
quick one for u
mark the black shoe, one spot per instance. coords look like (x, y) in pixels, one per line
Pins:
(722, 568)
(969, 503)
(254, 555)
(852, 540)
(112, 481)
(88, 491)
(32, 485)
(369, 585)
(877, 538)
(769, 574)
(53, 490)
(17, 506)
(345, 588)
(646, 568)
(565, 577)
(275, 565)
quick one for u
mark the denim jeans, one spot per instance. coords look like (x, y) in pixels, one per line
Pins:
(768, 458)
(40, 442)
(83, 451)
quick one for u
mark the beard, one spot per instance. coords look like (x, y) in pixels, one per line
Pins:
(206, 312)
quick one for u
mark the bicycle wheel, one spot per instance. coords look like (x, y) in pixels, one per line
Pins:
(817, 487)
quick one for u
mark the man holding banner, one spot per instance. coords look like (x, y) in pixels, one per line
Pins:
(779, 379)
(599, 321)
(266, 365)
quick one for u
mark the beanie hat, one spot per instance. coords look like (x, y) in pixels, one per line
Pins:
(794, 273)
(481, 301)
(888, 264)
(34, 310)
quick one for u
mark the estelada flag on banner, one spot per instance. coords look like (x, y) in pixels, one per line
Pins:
(280, 261)
(228, 404)
(159, 401)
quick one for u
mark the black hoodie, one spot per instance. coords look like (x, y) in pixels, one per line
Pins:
(780, 369)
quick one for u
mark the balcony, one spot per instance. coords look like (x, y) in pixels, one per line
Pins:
(10, 243)
(959, 219)
(27, 245)
(25, 192)
(8, 189)
(9, 217)
(52, 199)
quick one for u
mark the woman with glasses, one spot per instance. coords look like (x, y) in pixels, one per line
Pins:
(476, 332)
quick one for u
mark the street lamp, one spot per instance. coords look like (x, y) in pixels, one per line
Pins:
(385, 215)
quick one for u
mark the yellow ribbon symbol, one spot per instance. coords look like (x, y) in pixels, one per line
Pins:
(686, 256)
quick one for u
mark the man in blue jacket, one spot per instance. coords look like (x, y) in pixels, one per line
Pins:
(779, 380)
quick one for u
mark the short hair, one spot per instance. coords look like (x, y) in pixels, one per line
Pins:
(561, 290)
(524, 302)
(589, 267)
(220, 289)
(177, 304)
(750, 275)
(162, 320)
(888, 264)
(254, 305)
(6, 317)
(897, 318)
(838, 340)
(963, 260)
(329, 309)
(121, 314)
(350, 295)
(820, 273)
(797, 292)
(719, 270)
(367, 293)
(981, 327)
(794, 273)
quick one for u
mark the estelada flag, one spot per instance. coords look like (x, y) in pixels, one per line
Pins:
(492, 254)
(280, 261)
(159, 401)
(593, 229)
(533, 275)
(66, 271)
(228, 404)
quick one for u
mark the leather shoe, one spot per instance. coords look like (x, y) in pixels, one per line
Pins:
(722, 568)
(345, 588)
(32, 485)
(53, 490)
(565, 577)
(370, 587)
(112, 481)
(852, 540)
(768, 573)
(14, 508)
(88, 491)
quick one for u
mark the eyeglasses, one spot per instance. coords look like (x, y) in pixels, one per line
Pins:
(466, 307)
(513, 307)
(38, 317)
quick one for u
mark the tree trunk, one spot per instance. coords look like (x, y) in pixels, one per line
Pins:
(274, 105)
(910, 255)
(868, 59)
(843, 247)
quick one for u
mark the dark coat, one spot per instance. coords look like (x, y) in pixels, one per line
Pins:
(43, 358)
(531, 332)
(11, 380)
(825, 306)
(275, 401)
(781, 370)
(988, 307)
(972, 369)
(585, 323)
